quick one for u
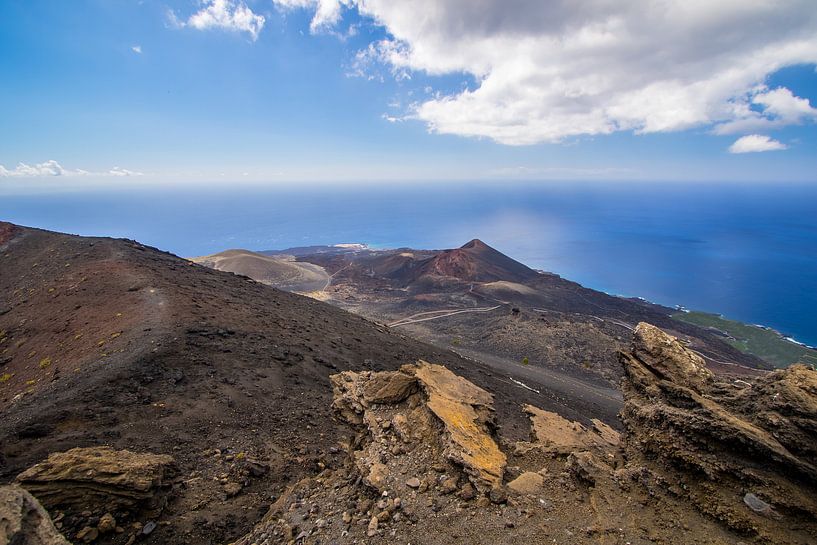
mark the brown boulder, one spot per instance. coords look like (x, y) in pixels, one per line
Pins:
(23, 520)
(100, 477)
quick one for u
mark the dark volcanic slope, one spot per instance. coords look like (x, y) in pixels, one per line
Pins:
(476, 261)
(109, 342)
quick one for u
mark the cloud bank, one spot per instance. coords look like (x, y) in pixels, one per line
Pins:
(229, 15)
(754, 143)
(547, 71)
(53, 168)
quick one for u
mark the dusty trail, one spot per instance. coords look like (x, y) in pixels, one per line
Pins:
(411, 320)
(555, 386)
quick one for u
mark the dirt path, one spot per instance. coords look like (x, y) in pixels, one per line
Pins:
(411, 319)
(554, 386)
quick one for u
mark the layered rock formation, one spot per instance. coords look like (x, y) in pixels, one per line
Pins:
(98, 490)
(742, 453)
(88, 477)
(421, 404)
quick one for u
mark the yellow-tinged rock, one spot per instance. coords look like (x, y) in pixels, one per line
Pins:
(464, 409)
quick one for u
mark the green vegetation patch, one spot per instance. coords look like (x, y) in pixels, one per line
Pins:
(766, 344)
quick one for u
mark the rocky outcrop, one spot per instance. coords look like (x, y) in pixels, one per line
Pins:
(87, 478)
(558, 434)
(421, 405)
(24, 521)
(744, 455)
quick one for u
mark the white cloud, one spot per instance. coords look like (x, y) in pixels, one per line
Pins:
(773, 109)
(137, 49)
(117, 171)
(53, 168)
(754, 143)
(327, 12)
(546, 71)
(231, 15)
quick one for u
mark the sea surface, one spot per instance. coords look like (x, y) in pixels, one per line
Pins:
(747, 251)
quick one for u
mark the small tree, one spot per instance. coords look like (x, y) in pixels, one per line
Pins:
(525, 361)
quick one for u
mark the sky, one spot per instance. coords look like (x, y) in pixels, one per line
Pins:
(105, 92)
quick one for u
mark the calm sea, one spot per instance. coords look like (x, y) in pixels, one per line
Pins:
(746, 251)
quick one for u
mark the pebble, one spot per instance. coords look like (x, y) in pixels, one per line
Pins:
(106, 523)
(232, 489)
(414, 482)
(467, 492)
(88, 534)
(371, 531)
(449, 486)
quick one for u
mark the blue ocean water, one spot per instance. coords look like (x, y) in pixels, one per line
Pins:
(747, 251)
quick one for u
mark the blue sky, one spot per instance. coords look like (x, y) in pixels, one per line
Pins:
(142, 92)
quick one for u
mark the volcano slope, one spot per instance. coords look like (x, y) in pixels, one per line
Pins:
(487, 306)
(255, 416)
(111, 343)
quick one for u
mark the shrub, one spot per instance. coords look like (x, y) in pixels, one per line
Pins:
(5, 377)
(45, 362)
(525, 361)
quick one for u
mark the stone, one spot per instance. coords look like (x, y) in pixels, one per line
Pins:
(528, 483)
(682, 423)
(413, 482)
(88, 534)
(466, 412)
(468, 492)
(98, 478)
(558, 434)
(449, 485)
(668, 358)
(376, 478)
(23, 520)
(107, 523)
(498, 496)
(371, 529)
(433, 404)
(148, 528)
(759, 506)
(232, 489)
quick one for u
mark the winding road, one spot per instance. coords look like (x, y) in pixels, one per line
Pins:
(413, 319)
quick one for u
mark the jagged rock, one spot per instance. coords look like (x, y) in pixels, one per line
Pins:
(100, 478)
(555, 433)
(669, 359)
(527, 483)
(24, 521)
(713, 442)
(422, 402)
(586, 467)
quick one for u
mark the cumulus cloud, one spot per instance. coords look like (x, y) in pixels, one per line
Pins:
(230, 15)
(754, 143)
(546, 71)
(772, 109)
(327, 12)
(137, 49)
(53, 168)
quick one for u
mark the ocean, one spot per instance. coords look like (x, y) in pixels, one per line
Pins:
(746, 251)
